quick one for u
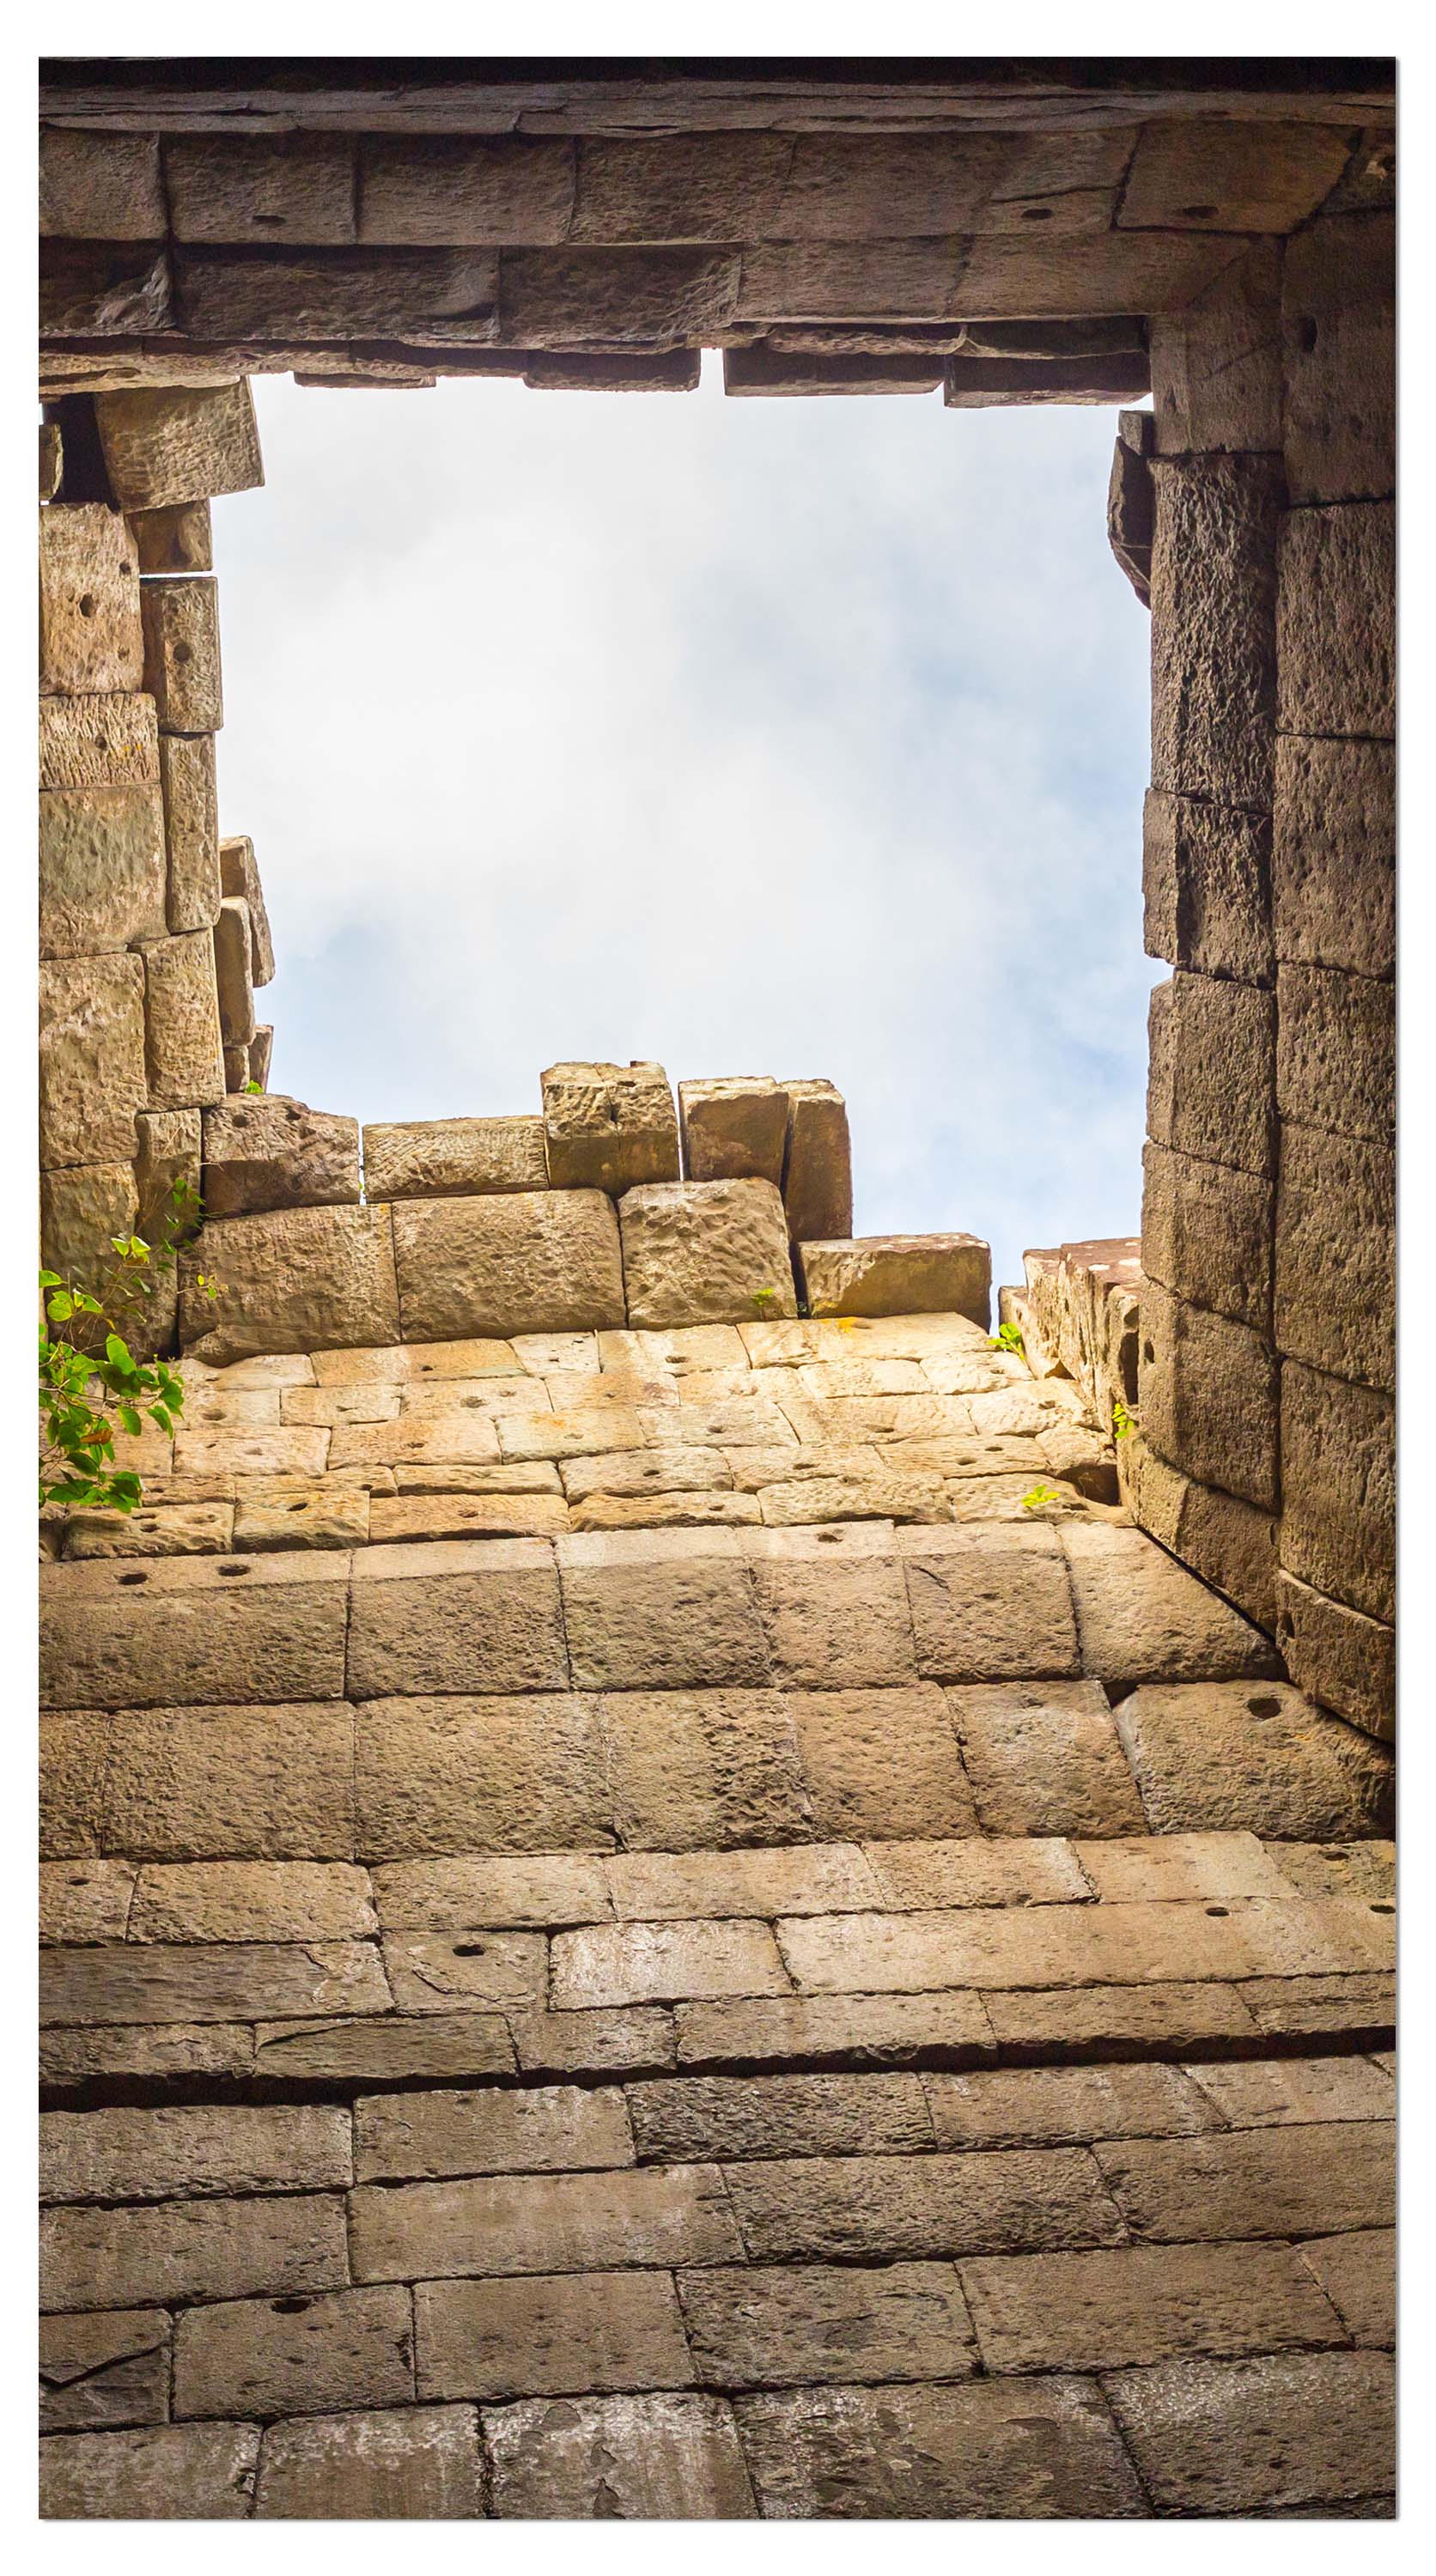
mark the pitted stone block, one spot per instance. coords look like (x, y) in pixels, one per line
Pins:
(705, 1252)
(609, 1126)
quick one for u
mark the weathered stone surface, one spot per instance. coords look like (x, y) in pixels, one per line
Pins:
(815, 2208)
(201, 2249)
(167, 2472)
(1255, 2182)
(454, 1158)
(1298, 2092)
(1258, 178)
(704, 1252)
(384, 2048)
(1180, 1866)
(1339, 1869)
(90, 637)
(1217, 364)
(1358, 2275)
(1144, 1618)
(259, 187)
(631, 2459)
(609, 1126)
(1062, 2105)
(1212, 1076)
(104, 2371)
(178, 443)
(1045, 2450)
(181, 652)
(550, 298)
(1130, 501)
(102, 289)
(81, 1212)
(1345, 1660)
(85, 1900)
(273, 1782)
(1122, 2021)
(191, 831)
(193, 1982)
(1139, 2303)
(106, 741)
(298, 296)
(1335, 1289)
(522, 2338)
(179, 539)
(881, 1762)
(92, 1068)
(834, 1607)
(899, 1274)
(649, 1887)
(192, 1629)
(733, 1129)
(1338, 1532)
(52, 459)
(240, 875)
(468, 1894)
(667, 1609)
(1298, 2431)
(1207, 1235)
(439, 1775)
(438, 1516)
(286, 1511)
(1336, 1051)
(183, 1044)
(260, 1155)
(102, 869)
(524, 1261)
(657, 2215)
(178, 1529)
(989, 1602)
(1214, 590)
(1208, 1394)
(232, 968)
(1359, 2008)
(840, 2030)
(637, 2040)
(479, 1616)
(1230, 1544)
(300, 1279)
(1206, 887)
(690, 1769)
(261, 2357)
(155, 2052)
(97, 186)
(727, 2117)
(1044, 1758)
(757, 2328)
(230, 1900)
(1335, 620)
(479, 189)
(432, 1972)
(1027, 1870)
(1339, 354)
(817, 1164)
(201, 2153)
(1334, 855)
(552, 2128)
(417, 2464)
(261, 1050)
(630, 1963)
(1223, 1755)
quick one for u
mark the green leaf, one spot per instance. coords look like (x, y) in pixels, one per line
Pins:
(158, 1414)
(117, 1352)
(61, 1307)
(50, 1279)
(131, 1420)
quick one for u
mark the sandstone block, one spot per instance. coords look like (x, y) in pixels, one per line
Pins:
(480, 189)
(1335, 621)
(233, 1982)
(184, 1048)
(181, 2472)
(1335, 1295)
(201, 2249)
(899, 1274)
(178, 1529)
(552, 2128)
(225, 1900)
(97, 186)
(1230, 1544)
(1339, 356)
(179, 443)
(704, 1252)
(757, 2328)
(1297, 2092)
(153, 2053)
(523, 1262)
(551, 298)
(515, 2223)
(1212, 1077)
(1206, 887)
(199, 2153)
(1130, 503)
(989, 1602)
(1254, 2182)
(81, 1212)
(98, 742)
(90, 639)
(92, 1059)
(287, 1511)
(1143, 1618)
(462, 1895)
(191, 831)
(248, 2357)
(261, 1050)
(671, 1609)
(1144, 2305)
(834, 1607)
(102, 869)
(693, 1769)
(652, 2458)
(384, 2048)
(1338, 1530)
(104, 2371)
(637, 2040)
(1217, 364)
(632, 1963)
(523, 2338)
(1298, 2432)
(663, 1511)
(275, 1782)
(841, 2209)
(1176, 1867)
(1214, 588)
(184, 1630)
(432, 1972)
(298, 296)
(454, 1158)
(1044, 1758)
(839, 2030)
(1208, 1394)
(1336, 1051)
(1346, 1661)
(417, 2464)
(938, 2453)
(1334, 855)
(258, 187)
(177, 539)
(1358, 2274)
(440, 1775)
(881, 1762)
(731, 2117)
(480, 1616)
(1062, 2105)
(240, 876)
(438, 1516)
(275, 1153)
(52, 459)
(85, 1900)
(1207, 1233)
(608, 1127)
(301, 1279)
(1031, 1870)
(1264, 180)
(817, 1164)
(1122, 2021)
(1210, 1759)
(103, 289)
(232, 963)
(733, 1129)
(181, 653)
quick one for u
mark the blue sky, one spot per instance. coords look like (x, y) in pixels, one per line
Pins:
(792, 737)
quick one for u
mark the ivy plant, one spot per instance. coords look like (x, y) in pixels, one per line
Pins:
(92, 1384)
(1008, 1337)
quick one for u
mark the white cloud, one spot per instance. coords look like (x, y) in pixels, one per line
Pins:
(800, 737)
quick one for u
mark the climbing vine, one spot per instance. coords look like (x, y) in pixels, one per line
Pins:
(92, 1384)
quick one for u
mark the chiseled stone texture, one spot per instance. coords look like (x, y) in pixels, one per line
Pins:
(102, 869)
(690, 1769)
(178, 538)
(1211, 1081)
(411, 2464)
(1144, 1618)
(668, 2458)
(452, 1158)
(299, 2356)
(191, 2153)
(734, 1128)
(899, 1274)
(92, 1059)
(1207, 1234)
(90, 637)
(277, 2245)
(1338, 1530)
(1335, 1288)
(1339, 358)
(1206, 887)
(756, 2327)
(1344, 1659)
(1144, 2304)
(989, 1602)
(1336, 617)
(1230, 1544)
(609, 1126)
(1214, 588)
(817, 1164)
(239, 876)
(1223, 1755)
(273, 1782)
(187, 778)
(1207, 1389)
(1334, 855)
(542, 2337)
(662, 1609)
(435, 1776)
(193, 1630)
(179, 443)
(1042, 2450)
(181, 652)
(705, 1252)
(476, 1616)
(163, 2473)
(97, 2373)
(1297, 2430)
(260, 1155)
(520, 1261)
(81, 1212)
(298, 1279)
(1044, 1758)
(1336, 1051)
(102, 741)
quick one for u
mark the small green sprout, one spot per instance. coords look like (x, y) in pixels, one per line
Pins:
(1008, 1337)
(255, 1087)
(765, 1300)
(1039, 1495)
(1122, 1423)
